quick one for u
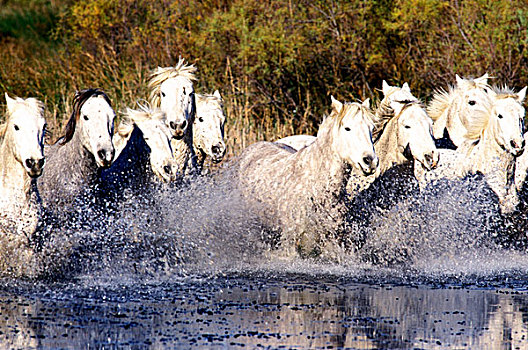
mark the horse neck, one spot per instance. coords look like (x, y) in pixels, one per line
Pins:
(386, 148)
(454, 125)
(491, 160)
(81, 162)
(183, 152)
(328, 169)
(14, 180)
(135, 152)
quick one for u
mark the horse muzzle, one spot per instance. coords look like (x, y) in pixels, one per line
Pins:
(219, 151)
(369, 164)
(105, 158)
(34, 167)
(431, 160)
(178, 129)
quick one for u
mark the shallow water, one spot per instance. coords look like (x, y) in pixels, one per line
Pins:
(188, 268)
(259, 310)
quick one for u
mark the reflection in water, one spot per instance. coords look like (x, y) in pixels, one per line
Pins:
(269, 313)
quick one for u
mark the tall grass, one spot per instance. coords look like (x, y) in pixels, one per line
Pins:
(275, 62)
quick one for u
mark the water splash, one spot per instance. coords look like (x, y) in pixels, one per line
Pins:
(450, 231)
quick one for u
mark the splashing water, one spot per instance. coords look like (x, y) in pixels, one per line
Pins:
(177, 266)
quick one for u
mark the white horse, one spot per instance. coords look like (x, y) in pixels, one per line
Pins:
(494, 141)
(21, 162)
(172, 90)
(75, 160)
(402, 140)
(453, 110)
(402, 133)
(301, 194)
(143, 149)
(208, 128)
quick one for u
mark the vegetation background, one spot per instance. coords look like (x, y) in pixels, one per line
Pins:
(275, 62)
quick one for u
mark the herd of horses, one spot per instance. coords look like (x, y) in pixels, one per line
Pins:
(301, 186)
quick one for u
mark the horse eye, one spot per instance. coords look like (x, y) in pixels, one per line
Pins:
(184, 91)
(200, 119)
(471, 103)
(407, 127)
(485, 90)
(17, 128)
(347, 128)
(162, 94)
(500, 116)
(85, 117)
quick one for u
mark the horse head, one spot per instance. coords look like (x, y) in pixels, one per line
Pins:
(507, 120)
(157, 136)
(208, 127)
(352, 131)
(94, 117)
(25, 129)
(173, 92)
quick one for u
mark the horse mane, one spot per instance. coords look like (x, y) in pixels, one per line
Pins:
(504, 92)
(385, 113)
(442, 98)
(78, 101)
(336, 118)
(133, 116)
(158, 76)
(210, 99)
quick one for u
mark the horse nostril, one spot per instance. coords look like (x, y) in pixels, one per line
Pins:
(183, 125)
(215, 149)
(30, 163)
(172, 125)
(367, 160)
(513, 144)
(102, 154)
(167, 169)
(40, 163)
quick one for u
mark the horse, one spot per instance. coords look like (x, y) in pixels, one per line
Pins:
(172, 90)
(75, 160)
(208, 128)
(301, 194)
(402, 133)
(494, 142)
(21, 163)
(143, 150)
(453, 110)
(403, 140)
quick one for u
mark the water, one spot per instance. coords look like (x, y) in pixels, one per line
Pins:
(190, 268)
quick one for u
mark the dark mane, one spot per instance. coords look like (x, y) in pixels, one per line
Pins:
(78, 101)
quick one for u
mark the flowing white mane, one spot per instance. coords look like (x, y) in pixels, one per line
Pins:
(133, 116)
(211, 101)
(442, 98)
(385, 113)
(160, 75)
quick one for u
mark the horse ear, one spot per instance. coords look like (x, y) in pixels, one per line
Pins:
(217, 94)
(459, 80)
(521, 94)
(385, 88)
(483, 79)
(406, 87)
(10, 103)
(336, 105)
(366, 103)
